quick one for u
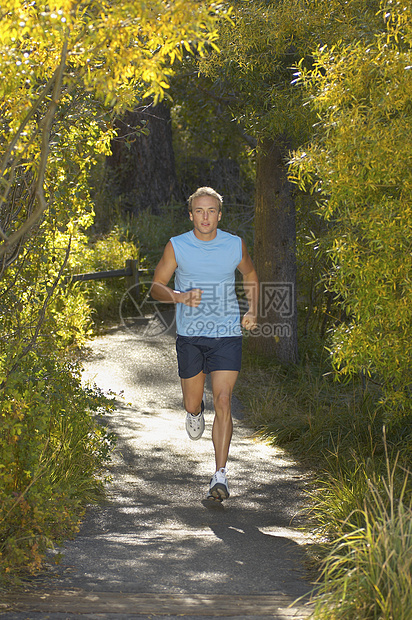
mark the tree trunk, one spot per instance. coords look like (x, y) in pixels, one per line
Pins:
(141, 171)
(275, 257)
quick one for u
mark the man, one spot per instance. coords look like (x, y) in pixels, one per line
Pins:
(209, 336)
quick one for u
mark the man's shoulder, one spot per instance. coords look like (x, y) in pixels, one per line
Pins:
(223, 234)
(185, 234)
(228, 239)
(182, 237)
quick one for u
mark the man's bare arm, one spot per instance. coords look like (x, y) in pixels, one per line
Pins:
(251, 287)
(162, 275)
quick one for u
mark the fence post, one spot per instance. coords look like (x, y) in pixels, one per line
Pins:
(133, 280)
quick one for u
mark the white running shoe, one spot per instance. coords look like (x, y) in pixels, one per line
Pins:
(219, 488)
(195, 424)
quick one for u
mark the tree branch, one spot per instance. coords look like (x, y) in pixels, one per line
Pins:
(42, 314)
(39, 188)
(226, 101)
(26, 119)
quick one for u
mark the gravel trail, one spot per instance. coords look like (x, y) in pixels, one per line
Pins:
(154, 549)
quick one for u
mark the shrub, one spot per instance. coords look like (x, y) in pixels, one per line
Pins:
(102, 253)
(368, 573)
(53, 453)
(358, 168)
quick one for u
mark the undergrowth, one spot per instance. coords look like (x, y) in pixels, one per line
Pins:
(53, 448)
(101, 253)
(53, 455)
(368, 571)
(359, 500)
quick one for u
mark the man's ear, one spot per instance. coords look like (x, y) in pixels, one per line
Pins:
(191, 216)
(220, 216)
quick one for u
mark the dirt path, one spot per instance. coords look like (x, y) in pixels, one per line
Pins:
(154, 549)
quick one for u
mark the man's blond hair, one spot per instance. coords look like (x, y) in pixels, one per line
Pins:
(205, 191)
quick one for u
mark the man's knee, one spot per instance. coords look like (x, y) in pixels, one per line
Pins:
(192, 405)
(222, 401)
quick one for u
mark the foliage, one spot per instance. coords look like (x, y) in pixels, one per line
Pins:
(52, 449)
(56, 64)
(368, 572)
(101, 253)
(65, 70)
(52, 454)
(359, 169)
(150, 232)
(35, 307)
(209, 148)
(258, 48)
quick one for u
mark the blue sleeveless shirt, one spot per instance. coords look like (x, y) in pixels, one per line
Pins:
(210, 266)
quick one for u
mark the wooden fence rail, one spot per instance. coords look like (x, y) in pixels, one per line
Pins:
(131, 272)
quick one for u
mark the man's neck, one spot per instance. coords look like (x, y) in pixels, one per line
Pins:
(205, 236)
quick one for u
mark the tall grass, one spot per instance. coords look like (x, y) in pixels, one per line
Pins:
(368, 573)
(359, 497)
(303, 409)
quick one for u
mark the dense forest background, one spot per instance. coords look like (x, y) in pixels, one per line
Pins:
(298, 112)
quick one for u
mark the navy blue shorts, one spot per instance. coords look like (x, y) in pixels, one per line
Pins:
(197, 353)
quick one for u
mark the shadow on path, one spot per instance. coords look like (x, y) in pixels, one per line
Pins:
(155, 534)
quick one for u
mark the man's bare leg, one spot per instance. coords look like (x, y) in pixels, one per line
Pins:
(223, 382)
(192, 390)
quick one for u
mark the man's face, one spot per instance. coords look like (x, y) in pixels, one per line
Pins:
(205, 216)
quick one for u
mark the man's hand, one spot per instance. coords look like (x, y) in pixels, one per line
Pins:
(191, 298)
(249, 320)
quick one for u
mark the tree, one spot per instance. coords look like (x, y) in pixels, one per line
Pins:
(275, 253)
(359, 167)
(210, 148)
(65, 70)
(141, 171)
(258, 51)
(55, 58)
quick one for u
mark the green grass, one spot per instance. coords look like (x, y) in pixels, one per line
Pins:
(368, 572)
(319, 420)
(359, 498)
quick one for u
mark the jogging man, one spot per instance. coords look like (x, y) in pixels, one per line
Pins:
(209, 336)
